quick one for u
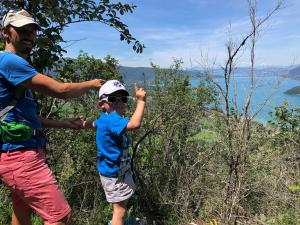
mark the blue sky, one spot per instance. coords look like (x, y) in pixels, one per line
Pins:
(195, 31)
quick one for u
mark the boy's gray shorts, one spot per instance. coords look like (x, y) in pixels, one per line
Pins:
(118, 189)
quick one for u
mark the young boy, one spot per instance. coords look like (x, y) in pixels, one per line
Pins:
(112, 143)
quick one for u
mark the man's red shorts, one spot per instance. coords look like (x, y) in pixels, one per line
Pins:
(32, 184)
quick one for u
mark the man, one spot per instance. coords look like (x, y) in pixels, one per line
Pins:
(22, 163)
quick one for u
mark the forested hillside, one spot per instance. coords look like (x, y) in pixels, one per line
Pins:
(146, 75)
(293, 91)
(137, 74)
(294, 73)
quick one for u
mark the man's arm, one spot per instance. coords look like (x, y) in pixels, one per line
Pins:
(48, 86)
(73, 123)
(135, 121)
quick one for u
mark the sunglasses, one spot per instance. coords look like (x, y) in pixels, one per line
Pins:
(25, 29)
(112, 99)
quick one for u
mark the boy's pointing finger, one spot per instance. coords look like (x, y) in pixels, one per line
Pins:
(136, 87)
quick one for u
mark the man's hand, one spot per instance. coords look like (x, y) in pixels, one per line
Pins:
(97, 83)
(140, 93)
(74, 123)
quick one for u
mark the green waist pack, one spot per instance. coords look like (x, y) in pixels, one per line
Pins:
(11, 132)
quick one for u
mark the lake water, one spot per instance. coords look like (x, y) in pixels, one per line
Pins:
(266, 87)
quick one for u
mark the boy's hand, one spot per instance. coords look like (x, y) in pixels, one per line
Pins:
(140, 93)
(135, 121)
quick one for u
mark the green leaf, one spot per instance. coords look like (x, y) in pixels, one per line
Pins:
(294, 187)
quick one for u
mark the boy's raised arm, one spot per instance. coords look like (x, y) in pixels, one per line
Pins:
(136, 119)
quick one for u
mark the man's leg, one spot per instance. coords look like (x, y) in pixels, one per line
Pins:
(38, 189)
(21, 217)
(64, 221)
(21, 211)
(119, 213)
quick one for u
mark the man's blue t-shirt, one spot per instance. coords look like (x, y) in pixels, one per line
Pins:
(112, 141)
(13, 71)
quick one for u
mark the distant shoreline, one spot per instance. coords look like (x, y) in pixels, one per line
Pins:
(293, 91)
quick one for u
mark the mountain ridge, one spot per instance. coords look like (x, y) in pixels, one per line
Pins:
(294, 73)
(146, 74)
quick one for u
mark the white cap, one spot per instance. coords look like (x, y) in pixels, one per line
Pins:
(18, 18)
(110, 87)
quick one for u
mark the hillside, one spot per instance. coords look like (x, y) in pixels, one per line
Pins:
(136, 74)
(143, 74)
(294, 73)
(293, 91)
(146, 74)
(258, 71)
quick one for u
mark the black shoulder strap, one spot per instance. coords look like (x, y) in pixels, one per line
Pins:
(19, 93)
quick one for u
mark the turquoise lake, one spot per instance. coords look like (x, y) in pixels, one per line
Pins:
(265, 87)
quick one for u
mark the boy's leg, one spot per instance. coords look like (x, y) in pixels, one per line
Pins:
(119, 212)
(118, 191)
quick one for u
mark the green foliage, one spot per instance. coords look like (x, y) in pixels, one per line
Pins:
(205, 135)
(36, 220)
(287, 118)
(101, 214)
(167, 165)
(54, 16)
(286, 217)
(285, 140)
(5, 206)
(294, 187)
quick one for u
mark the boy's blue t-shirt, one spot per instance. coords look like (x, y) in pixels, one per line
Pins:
(13, 71)
(111, 140)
